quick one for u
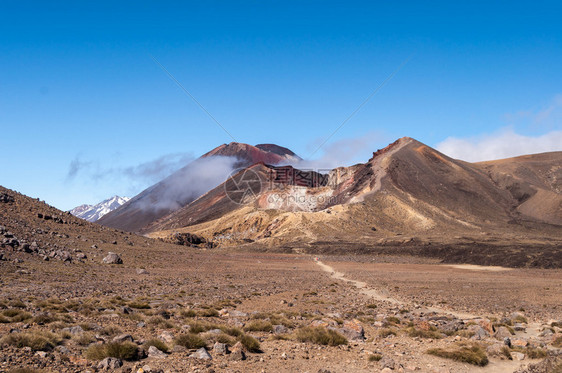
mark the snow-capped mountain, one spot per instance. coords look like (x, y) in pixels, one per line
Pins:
(92, 213)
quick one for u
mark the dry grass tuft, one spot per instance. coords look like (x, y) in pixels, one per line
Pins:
(321, 336)
(156, 343)
(375, 357)
(37, 341)
(471, 354)
(125, 351)
(386, 332)
(190, 341)
(431, 334)
(259, 326)
(251, 344)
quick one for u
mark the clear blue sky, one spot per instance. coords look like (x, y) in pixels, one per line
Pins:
(78, 86)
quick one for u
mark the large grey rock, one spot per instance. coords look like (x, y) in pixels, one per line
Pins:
(110, 363)
(280, 329)
(123, 338)
(112, 258)
(502, 333)
(166, 336)
(238, 352)
(387, 362)
(201, 354)
(154, 352)
(220, 348)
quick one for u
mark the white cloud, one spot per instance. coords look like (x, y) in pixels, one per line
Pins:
(503, 144)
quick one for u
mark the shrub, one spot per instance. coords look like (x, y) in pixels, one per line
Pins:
(44, 319)
(393, 320)
(471, 354)
(16, 315)
(125, 351)
(432, 333)
(375, 357)
(231, 330)
(251, 344)
(190, 341)
(535, 353)
(557, 342)
(386, 332)
(160, 321)
(110, 330)
(321, 336)
(506, 352)
(139, 305)
(211, 312)
(520, 319)
(156, 343)
(37, 341)
(17, 304)
(259, 326)
(188, 313)
(224, 338)
(197, 327)
(85, 339)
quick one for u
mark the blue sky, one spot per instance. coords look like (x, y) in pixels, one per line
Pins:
(86, 113)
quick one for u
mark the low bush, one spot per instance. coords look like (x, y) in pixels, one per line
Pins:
(190, 341)
(385, 332)
(156, 343)
(188, 313)
(375, 357)
(321, 336)
(431, 334)
(471, 354)
(251, 344)
(124, 350)
(37, 341)
(259, 326)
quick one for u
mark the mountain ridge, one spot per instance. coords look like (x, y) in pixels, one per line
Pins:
(93, 213)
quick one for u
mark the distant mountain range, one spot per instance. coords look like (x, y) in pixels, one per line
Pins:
(93, 213)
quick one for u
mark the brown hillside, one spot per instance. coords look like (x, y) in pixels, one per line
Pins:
(172, 193)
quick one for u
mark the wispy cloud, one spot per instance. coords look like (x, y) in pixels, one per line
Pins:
(142, 173)
(548, 116)
(503, 144)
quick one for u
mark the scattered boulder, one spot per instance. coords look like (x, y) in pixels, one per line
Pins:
(112, 258)
(6, 198)
(352, 330)
(123, 338)
(238, 352)
(201, 354)
(387, 362)
(502, 333)
(220, 348)
(154, 352)
(110, 363)
(517, 356)
(167, 337)
(280, 329)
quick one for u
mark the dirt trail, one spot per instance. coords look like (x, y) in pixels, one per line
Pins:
(533, 328)
(382, 296)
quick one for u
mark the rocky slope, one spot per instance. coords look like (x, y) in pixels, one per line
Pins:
(93, 213)
(191, 181)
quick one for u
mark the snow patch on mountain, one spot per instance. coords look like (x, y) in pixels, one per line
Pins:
(92, 213)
